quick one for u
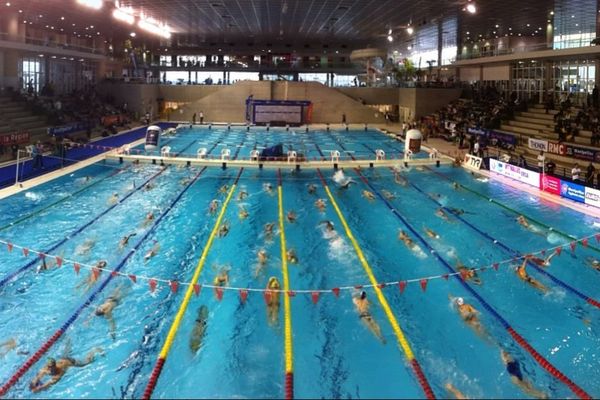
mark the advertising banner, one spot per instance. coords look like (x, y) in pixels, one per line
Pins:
(493, 138)
(592, 197)
(68, 129)
(557, 148)
(581, 153)
(550, 184)
(512, 171)
(572, 191)
(537, 144)
(14, 138)
(472, 162)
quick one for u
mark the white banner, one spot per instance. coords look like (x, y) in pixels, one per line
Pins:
(514, 172)
(472, 162)
(592, 197)
(537, 144)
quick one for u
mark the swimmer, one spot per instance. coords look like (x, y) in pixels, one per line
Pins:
(152, 252)
(242, 195)
(457, 211)
(273, 287)
(455, 185)
(468, 313)
(291, 256)
(105, 310)
(56, 369)
(362, 306)
(267, 187)
(199, 329)
(268, 229)
(399, 179)
(7, 346)
(291, 216)
(46, 265)
(435, 196)
(93, 276)
(223, 189)
(212, 208)
(222, 279)
(328, 225)
(454, 391)
(185, 181)
(149, 186)
(85, 247)
(523, 221)
(516, 376)
(262, 256)
(541, 262)
(148, 219)
(469, 273)
(431, 233)
(407, 240)
(368, 195)
(243, 213)
(224, 229)
(312, 189)
(320, 204)
(388, 195)
(522, 273)
(125, 240)
(592, 262)
(347, 184)
(112, 200)
(440, 213)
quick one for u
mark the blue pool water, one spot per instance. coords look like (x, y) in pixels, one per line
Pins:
(335, 355)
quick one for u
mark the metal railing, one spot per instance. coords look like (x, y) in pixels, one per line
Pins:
(52, 44)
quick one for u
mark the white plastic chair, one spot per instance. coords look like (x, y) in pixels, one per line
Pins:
(335, 155)
(254, 154)
(201, 153)
(379, 154)
(408, 155)
(434, 154)
(225, 154)
(292, 156)
(165, 151)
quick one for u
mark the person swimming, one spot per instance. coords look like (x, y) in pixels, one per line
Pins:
(243, 213)
(56, 369)
(262, 256)
(152, 252)
(431, 233)
(362, 307)
(516, 376)
(455, 186)
(223, 189)
(541, 262)
(212, 208)
(148, 219)
(105, 310)
(521, 220)
(399, 179)
(469, 273)
(222, 278)
(113, 199)
(291, 216)
(592, 262)
(388, 195)
(148, 187)
(346, 184)
(93, 276)
(7, 346)
(320, 204)
(454, 391)
(48, 264)
(242, 195)
(440, 213)
(224, 229)
(368, 195)
(85, 247)
(407, 240)
(522, 273)
(468, 313)
(291, 256)
(329, 227)
(199, 329)
(268, 230)
(267, 187)
(458, 211)
(125, 240)
(272, 301)
(312, 189)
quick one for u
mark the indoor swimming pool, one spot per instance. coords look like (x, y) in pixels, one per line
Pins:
(398, 234)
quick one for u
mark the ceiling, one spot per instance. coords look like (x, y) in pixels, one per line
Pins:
(298, 23)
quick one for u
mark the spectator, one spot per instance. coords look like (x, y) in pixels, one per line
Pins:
(541, 158)
(595, 97)
(575, 172)
(550, 167)
(589, 174)
(201, 115)
(36, 154)
(15, 149)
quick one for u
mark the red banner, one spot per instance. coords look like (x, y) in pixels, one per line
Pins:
(550, 184)
(15, 138)
(109, 120)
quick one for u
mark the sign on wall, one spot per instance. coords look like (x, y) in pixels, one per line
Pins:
(537, 144)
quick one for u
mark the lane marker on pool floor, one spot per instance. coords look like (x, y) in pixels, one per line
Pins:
(54, 338)
(400, 337)
(287, 312)
(162, 357)
(516, 336)
(70, 236)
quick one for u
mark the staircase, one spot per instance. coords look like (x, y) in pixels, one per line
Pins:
(14, 117)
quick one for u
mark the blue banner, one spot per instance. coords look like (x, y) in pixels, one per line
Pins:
(495, 138)
(68, 129)
(572, 191)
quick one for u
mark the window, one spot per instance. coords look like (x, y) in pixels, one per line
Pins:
(32, 71)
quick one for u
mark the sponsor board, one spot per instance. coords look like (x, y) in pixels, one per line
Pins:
(572, 191)
(14, 138)
(550, 184)
(592, 197)
(472, 162)
(557, 148)
(537, 144)
(512, 171)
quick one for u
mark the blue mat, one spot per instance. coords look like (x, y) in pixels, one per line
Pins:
(26, 171)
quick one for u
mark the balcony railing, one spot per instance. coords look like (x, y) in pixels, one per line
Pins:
(53, 44)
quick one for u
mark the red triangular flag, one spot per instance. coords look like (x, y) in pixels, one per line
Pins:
(496, 265)
(219, 293)
(573, 244)
(584, 242)
(445, 276)
(95, 272)
(268, 296)
(114, 273)
(291, 293)
(336, 291)
(558, 251)
(315, 297)
(358, 287)
(133, 278)
(152, 284)
(424, 284)
(243, 295)
(402, 286)
(10, 247)
(41, 256)
(197, 289)
(59, 261)
(597, 236)
(381, 285)
(174, 285)
(25, 251)
(77, 268)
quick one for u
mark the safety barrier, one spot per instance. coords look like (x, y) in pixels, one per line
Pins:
(287, 312)
(54, 338)
(77, 231)
(518, 338)
(400, 337)
(162, 357)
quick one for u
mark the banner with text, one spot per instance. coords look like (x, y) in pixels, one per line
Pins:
(68, 129)
(14, 138)
(537, 144)
(512, 171)
(550, 184)
(494, 138)
(572, 191)
(472, 162)
(592, 197)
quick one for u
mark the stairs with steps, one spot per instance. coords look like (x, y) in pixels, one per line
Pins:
(14, 116)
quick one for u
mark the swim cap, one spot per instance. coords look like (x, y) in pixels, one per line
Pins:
(460, 301)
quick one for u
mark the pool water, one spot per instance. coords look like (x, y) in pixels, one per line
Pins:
(335, 355)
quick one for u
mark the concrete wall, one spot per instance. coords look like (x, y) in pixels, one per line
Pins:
(374, 96)
(139, 98)
(428, 101)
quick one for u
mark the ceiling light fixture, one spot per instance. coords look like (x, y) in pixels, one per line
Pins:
(153, 26)
(390, 38)
(124, 15)
(95, 4)
(409, 29)
(471, 7)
